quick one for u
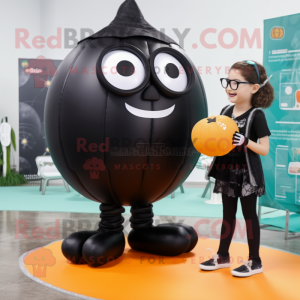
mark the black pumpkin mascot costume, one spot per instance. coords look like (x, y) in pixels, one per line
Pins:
(118, 120)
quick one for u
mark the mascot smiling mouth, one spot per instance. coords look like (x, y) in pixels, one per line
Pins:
(149, 113)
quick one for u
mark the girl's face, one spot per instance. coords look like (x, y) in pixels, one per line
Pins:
(245, 90)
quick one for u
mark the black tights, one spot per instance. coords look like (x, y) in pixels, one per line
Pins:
(228, 225)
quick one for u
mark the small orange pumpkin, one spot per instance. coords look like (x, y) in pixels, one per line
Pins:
(277, 33)
(213, 135)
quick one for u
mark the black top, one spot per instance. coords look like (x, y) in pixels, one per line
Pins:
(231, 170)
(259, 126)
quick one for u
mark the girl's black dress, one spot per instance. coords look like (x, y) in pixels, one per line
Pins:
(231, 171)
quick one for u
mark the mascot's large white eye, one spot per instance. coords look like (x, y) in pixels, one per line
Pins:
(170, 72)
(123, 69)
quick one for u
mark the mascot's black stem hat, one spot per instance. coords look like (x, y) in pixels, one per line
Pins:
(130, 21)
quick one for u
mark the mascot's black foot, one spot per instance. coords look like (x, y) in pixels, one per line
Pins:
(72, 245)
(104, 247)
(166, 239)
(192, 234)
(95, 248)
(98, 247)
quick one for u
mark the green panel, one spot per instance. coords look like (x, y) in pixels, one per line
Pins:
(282, 165)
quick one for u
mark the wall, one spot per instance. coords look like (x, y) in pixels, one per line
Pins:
(15, 14)
(44, 17)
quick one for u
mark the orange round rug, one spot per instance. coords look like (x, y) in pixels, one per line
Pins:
(138, 275)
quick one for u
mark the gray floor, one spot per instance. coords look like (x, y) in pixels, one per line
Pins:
(15, 285)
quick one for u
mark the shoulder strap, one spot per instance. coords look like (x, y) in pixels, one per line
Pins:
(226, 108)
(250, 119)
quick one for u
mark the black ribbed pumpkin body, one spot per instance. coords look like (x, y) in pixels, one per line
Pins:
(104, 151)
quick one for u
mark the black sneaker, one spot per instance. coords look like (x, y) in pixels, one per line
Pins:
(216, 262)
(249, 268)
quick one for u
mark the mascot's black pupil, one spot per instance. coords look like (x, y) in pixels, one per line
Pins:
(172, 70)
(125, 68)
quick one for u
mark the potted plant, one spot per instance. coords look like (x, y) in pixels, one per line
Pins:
(8, 177)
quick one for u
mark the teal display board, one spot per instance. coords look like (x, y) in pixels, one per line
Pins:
(282, 165)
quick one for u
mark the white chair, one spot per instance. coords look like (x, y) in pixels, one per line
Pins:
(48, 171)
(205, 164)
(181, 189)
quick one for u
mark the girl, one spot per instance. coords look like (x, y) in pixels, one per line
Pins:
(239, 173)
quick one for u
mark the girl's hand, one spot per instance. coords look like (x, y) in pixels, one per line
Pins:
(238, 139)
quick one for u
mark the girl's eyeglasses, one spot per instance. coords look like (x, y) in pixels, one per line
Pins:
(233, 83)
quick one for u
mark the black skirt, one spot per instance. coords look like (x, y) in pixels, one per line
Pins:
(232, 176)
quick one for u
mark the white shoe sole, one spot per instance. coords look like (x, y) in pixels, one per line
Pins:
(239, 274)
(221, 266)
